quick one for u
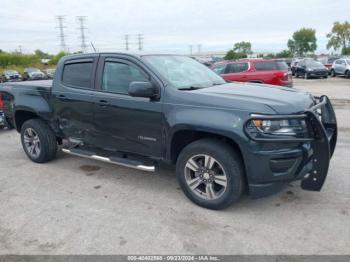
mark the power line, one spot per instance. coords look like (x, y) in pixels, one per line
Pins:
(199, 48)
(60, 19)
(82, 28)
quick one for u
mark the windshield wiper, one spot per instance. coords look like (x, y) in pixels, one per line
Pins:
(191, 88)
(218, 83)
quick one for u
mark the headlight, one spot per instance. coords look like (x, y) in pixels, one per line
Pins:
(279, 127)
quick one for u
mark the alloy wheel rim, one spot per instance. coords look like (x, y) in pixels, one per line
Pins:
(205, 177)
(32, 142)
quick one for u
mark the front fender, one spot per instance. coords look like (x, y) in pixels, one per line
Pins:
(226, 123)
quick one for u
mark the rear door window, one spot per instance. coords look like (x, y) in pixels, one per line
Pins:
(78, 74)
(236, 68)
(270, 65)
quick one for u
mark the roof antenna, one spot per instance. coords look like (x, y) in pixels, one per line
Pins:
(93, 47)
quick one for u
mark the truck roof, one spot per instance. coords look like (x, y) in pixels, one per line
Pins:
(118, 53)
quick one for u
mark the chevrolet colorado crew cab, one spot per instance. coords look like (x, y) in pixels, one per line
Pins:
(141, 110)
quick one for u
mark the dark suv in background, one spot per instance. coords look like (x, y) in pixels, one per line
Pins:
(309, 68)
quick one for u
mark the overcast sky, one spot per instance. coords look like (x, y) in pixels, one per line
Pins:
(167, 25)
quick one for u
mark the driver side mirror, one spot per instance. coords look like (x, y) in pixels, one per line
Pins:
(142, 89)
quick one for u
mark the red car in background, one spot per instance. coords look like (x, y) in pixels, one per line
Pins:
(264, 71)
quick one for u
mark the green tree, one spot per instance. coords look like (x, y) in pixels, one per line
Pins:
(303, 42)
(284, 54)
(270, 55)
(339, 37)
(243, 47)
(345, 51)
(54, 60)
(240, 50)
(42, 54)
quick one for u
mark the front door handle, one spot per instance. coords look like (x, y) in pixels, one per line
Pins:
(61, 96)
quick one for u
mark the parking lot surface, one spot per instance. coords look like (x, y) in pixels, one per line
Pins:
(78, 206)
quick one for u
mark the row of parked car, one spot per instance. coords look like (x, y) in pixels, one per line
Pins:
(278, 72)
(29, 73)
(308, 67)
(255, 70)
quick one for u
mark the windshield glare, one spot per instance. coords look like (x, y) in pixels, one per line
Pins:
(184, 72)
(314, 64)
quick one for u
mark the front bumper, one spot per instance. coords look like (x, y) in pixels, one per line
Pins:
(276, 162)
(318, 74)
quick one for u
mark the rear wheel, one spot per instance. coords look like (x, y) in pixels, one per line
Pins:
(38, 141)
(210, 173)
(306, 76)
(333, 73)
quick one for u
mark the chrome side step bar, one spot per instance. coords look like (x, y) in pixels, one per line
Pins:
(112, 160)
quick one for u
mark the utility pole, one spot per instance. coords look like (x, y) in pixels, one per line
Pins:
(126, 37)
(82, 28)
(60, 19)
(199, 48)
(191, 49)
(20, 49)
(140, 41)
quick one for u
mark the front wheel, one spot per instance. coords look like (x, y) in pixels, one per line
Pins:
(306, 76)
(347, 74)
(210, 173)
(333, 73)
(38, 141)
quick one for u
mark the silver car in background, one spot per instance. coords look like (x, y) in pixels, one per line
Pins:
(341, 67)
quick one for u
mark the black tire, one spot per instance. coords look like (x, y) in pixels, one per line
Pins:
(333, 74)
(296, 75)
(47, 139)
(306, 76)
(347, 74)
(231, 163)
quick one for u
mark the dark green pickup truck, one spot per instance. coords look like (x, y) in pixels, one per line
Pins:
(140, 110)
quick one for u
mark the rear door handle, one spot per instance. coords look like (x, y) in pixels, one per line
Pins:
(61, 96)
(103, 103)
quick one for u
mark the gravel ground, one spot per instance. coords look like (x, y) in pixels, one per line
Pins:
(78, 206)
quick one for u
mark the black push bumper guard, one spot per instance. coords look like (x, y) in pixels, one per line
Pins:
(2, 119)
(322, 127)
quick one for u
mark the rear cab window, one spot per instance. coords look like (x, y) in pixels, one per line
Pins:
(270, 65)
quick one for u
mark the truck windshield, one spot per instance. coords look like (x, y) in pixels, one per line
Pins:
(184, 72)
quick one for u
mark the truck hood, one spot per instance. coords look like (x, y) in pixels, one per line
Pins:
(253, 97)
